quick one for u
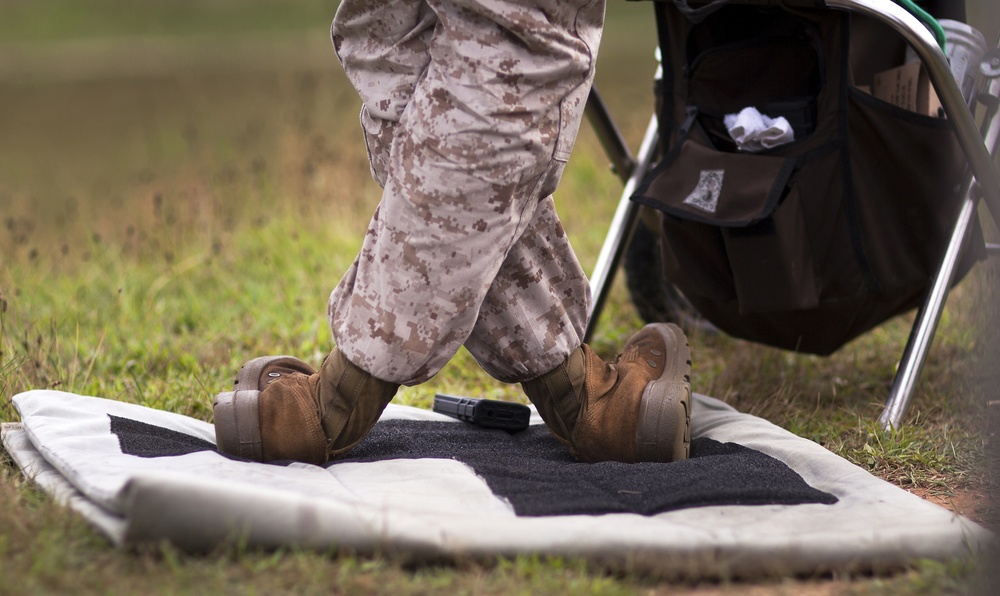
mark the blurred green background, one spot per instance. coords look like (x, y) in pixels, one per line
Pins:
(100, 92)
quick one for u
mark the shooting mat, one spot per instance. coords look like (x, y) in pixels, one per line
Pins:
(753, 499)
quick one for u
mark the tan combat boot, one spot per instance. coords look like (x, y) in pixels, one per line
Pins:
(635, 408)
(282, 409)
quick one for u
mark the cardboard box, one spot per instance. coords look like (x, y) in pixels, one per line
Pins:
(908, 87)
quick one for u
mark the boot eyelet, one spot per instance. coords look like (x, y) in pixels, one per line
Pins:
(273, 374)
(656, 352)
(651, 363)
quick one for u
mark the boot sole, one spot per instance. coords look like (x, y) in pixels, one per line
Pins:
(664, 430)
(237, 412)
(237, 424)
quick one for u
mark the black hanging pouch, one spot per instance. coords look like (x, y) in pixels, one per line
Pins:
(721, 214)
(808, 244)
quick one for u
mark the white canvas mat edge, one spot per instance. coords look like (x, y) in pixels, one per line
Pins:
(35, 468)
(875, 525)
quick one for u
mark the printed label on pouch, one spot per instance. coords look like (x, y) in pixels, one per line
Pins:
(705, 196)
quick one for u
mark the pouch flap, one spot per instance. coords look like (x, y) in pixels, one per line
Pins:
(713, 187)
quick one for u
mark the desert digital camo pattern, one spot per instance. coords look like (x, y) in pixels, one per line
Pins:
(470, 110)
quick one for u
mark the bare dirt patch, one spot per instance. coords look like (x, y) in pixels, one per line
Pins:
(973, 502)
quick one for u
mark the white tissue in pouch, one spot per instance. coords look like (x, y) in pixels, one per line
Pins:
(753, 131)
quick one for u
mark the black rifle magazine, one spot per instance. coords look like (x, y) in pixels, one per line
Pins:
(487, 413)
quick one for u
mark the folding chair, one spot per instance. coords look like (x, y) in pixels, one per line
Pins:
(977, 143)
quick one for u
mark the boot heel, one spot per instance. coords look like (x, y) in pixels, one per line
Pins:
(664, 430)
(237, 423)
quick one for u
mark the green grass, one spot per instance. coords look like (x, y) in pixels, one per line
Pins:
(155, 231)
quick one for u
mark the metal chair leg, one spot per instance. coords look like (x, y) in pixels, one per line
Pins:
(627, 212)
(928, 317)
(930, 313)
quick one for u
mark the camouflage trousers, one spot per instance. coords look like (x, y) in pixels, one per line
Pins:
(470, 109)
